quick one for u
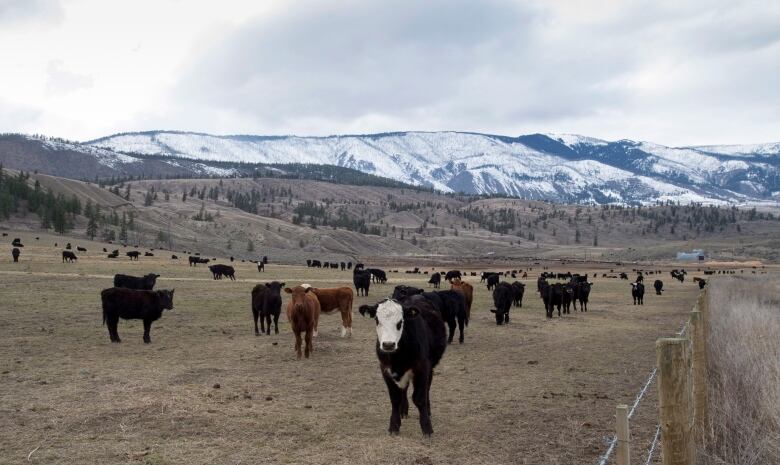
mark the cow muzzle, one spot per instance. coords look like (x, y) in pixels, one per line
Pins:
(389, 346)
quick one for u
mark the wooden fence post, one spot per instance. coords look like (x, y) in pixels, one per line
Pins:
(623, 435)
(699, 374)
(674, 401)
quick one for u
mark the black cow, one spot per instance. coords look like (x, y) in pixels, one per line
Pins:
(582, 292)
(265, 259)
(260, 266)
(267, 303)
(81, 249)
(623, 276)
(435, 280)
(638, 293)
(174, 257)
(148, 254)
(145, 283)
(67, 246)
(702, 283)
(68, 256)
(316, 264)
(132, 304)
(378, 276)
(349, 265)
(552, 295)
(218, 271)
(567, 297)
(518, 290)
(492, 280)
(15, 253)
(334, 266)
(410, 342)
(133, 254)
(451, 304)
(362, 281)
(195, 260)
(452, 274)
(659, 286)
(502, 299)
(308, 262)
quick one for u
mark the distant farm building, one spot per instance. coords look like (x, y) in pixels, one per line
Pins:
(695, 254)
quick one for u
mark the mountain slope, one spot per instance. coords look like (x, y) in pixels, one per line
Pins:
(566, 168)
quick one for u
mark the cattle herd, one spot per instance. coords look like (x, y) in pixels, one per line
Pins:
(413, 325)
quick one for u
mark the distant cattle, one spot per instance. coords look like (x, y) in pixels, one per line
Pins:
(18, 243)
(132, 282)
(452, 274)
(502, 299)
(451, 304)
(349, 265)
(334, 266)
(518, 289)
(308, 262)
(148, 254)
(81, 249)
(316, 264)
(659, 286)
(378, 276)
(232, 258)
(343, 266)
(133, 254)
(337, 298)
(581, 295)
(195, 260)
(132, 304)
(15, 254)
(68, 246)
(303, 313)
(623, 276)
(702, 283)
(174, 257)
(267, 303)
(362, 281)
(218, 271)
(638, 293)
(265, 259)
(435, 280)
(492, 280)
(260, 266)
(410, 342)
(68, 256)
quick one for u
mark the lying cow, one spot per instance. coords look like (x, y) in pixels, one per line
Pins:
(132, 304)
(267, 303)
(410, 342)
(81, 249)
(132, 282)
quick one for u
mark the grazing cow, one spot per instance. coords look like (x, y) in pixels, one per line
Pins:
(468, 293)
(195, 260)
(81, 249)
(326, 265)
(223, 270)
(452, 274)
(113, 254)
(148, 254)
(15, 253)
(260, 266)
(145, 283)
(133, 254)
(638, 293)
(267, 303)
(639, 277)
(582, 294)
(502, 299)
(659, 286)
(436, 280)
(623, 276)
(518, 289)
(334, 266)
(492, 281)
(303, 313)
(133, 304)
(68, 256)
(316, 264)
(450, 304)
(409, 344)
(362, 281)
(377, 275)
(337, 298)
(174, 257)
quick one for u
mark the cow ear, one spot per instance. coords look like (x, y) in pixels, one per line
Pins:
(269, 284)
(492, 310)
(288, 290)
(282, 285)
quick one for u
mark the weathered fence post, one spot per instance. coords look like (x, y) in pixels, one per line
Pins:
(699, 374)
(674, 401)
(623, 435)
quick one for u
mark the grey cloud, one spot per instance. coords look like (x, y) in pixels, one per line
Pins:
(19, 11)
(61, 81)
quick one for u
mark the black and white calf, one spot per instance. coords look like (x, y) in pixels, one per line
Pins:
(410, 341)
(638, 293)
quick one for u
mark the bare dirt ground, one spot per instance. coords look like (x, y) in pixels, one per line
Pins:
(534, 392)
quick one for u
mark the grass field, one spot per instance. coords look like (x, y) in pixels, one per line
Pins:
(532, 392)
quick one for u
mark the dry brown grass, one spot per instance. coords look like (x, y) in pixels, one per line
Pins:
(744, 369)
(74, 398)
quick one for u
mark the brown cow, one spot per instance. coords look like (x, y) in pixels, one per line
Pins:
(303, 313)
(336, 298)
(468, 292)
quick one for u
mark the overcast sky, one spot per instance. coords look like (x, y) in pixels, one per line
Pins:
(674, 72)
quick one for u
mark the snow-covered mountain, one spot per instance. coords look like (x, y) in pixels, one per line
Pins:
(559, 167)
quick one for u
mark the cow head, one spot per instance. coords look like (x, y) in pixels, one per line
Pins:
(402, 292)
(298, 296)
(166, 299)
(390, 319)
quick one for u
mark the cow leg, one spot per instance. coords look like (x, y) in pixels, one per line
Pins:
(451, 323)
(112, 323)
(276, 324)
(255, 315)
(396, 399)
(506, 317)
(461, 323)
(348, 318)
(309, 344)
(421, 399)
(405, 402)
(147, 327)
(298, 342)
